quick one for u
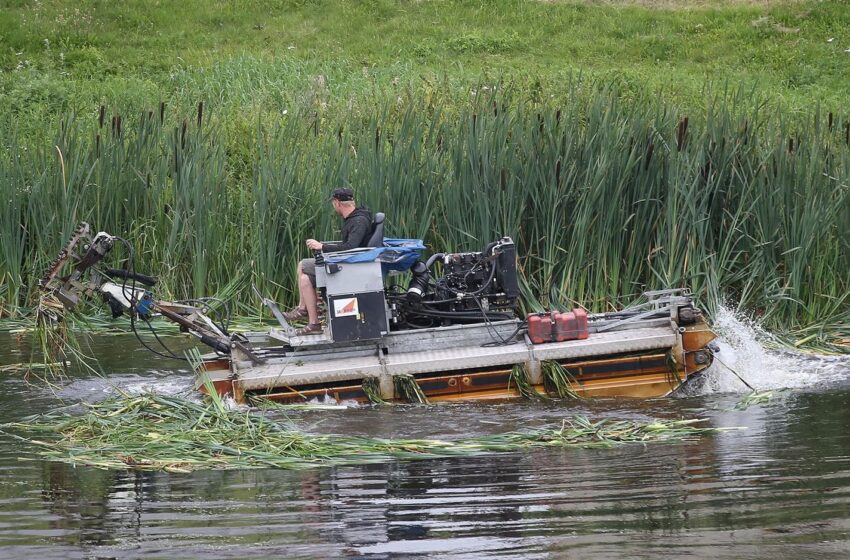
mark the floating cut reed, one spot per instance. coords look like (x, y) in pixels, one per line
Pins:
(28, 368)
(156, 432)
(755, 398)
(54, 341)
(558, 381)
(408, 389)
(372, 388)
(519, 377)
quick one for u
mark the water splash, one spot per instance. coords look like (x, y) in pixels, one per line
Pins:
(92, 389)
(163, 384)
(747, 348)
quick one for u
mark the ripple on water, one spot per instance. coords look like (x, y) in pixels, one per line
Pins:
(779, 489)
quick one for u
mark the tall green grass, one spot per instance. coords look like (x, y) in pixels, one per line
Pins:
(605, 195)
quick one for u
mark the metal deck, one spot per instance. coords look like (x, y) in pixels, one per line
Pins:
(646, 350)
(295, 370)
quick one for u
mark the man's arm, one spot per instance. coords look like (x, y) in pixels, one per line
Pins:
(354, 235)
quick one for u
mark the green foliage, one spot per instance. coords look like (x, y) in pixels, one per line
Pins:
(519, 379)
(476, 43)
(372, 388)
(558, 380)
(408, 390)
(89, 52)
(400, 99)
(755, 398)
(604, 196)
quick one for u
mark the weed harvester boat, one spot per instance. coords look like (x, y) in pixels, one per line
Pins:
(400, 328)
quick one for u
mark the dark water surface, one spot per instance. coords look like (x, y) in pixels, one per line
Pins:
(779, 489)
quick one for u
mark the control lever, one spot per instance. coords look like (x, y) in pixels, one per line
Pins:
(287, 328)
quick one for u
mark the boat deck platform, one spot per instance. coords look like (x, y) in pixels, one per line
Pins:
(313, 368)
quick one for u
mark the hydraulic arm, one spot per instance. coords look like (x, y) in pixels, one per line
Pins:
(123, 289)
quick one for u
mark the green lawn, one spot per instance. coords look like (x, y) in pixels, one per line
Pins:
(57, 55)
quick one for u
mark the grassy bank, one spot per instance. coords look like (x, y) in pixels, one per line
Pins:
(254, 56)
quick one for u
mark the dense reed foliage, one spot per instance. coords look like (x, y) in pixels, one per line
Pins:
(157, 432)
(604, 196)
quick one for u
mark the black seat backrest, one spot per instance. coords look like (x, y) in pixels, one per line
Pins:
(376, 239)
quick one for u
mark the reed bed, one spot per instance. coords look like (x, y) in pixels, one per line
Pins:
(157, 432)
(605, 196)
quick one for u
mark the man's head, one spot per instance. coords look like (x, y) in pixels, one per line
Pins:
(342, 200)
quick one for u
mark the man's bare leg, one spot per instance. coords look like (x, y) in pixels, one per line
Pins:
(309, 299)
(299, 274)
(298, 312)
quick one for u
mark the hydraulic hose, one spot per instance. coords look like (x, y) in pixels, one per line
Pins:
(432, 259)
(131, 275)
(460, 314)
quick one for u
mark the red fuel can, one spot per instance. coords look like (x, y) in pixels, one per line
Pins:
(581, 323)
(565, 326)
(540, 327)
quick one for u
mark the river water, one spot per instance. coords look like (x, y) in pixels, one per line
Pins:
(778, 489)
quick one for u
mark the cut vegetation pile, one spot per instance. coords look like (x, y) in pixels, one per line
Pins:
(155, 432)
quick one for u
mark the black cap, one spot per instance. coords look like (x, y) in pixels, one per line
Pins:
(343, 194)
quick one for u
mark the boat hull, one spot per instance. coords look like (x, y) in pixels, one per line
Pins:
(644, 360)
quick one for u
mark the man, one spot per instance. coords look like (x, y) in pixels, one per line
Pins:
(356, 228)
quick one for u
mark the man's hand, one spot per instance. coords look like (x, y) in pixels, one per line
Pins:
(314, 245)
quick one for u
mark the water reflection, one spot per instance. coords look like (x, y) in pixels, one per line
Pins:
(780, 489)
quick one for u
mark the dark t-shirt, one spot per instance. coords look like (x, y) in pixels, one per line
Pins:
(355, 232)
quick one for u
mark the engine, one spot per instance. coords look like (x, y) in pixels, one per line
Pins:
(455, 288)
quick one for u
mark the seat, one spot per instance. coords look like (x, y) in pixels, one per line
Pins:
(376, 239)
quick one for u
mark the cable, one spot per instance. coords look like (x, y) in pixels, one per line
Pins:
(462, 315)
(131, 299)
(509, 340)
(170, 354)
(498, 340)
(129, 269)
(713, 355)
(207, 309)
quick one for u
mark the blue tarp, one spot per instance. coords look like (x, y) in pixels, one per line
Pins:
(396, 254)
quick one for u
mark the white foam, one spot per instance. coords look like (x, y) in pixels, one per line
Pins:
(230, 403)
(174, 386)
(744, 348)
(97, 388)
(328, 400)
